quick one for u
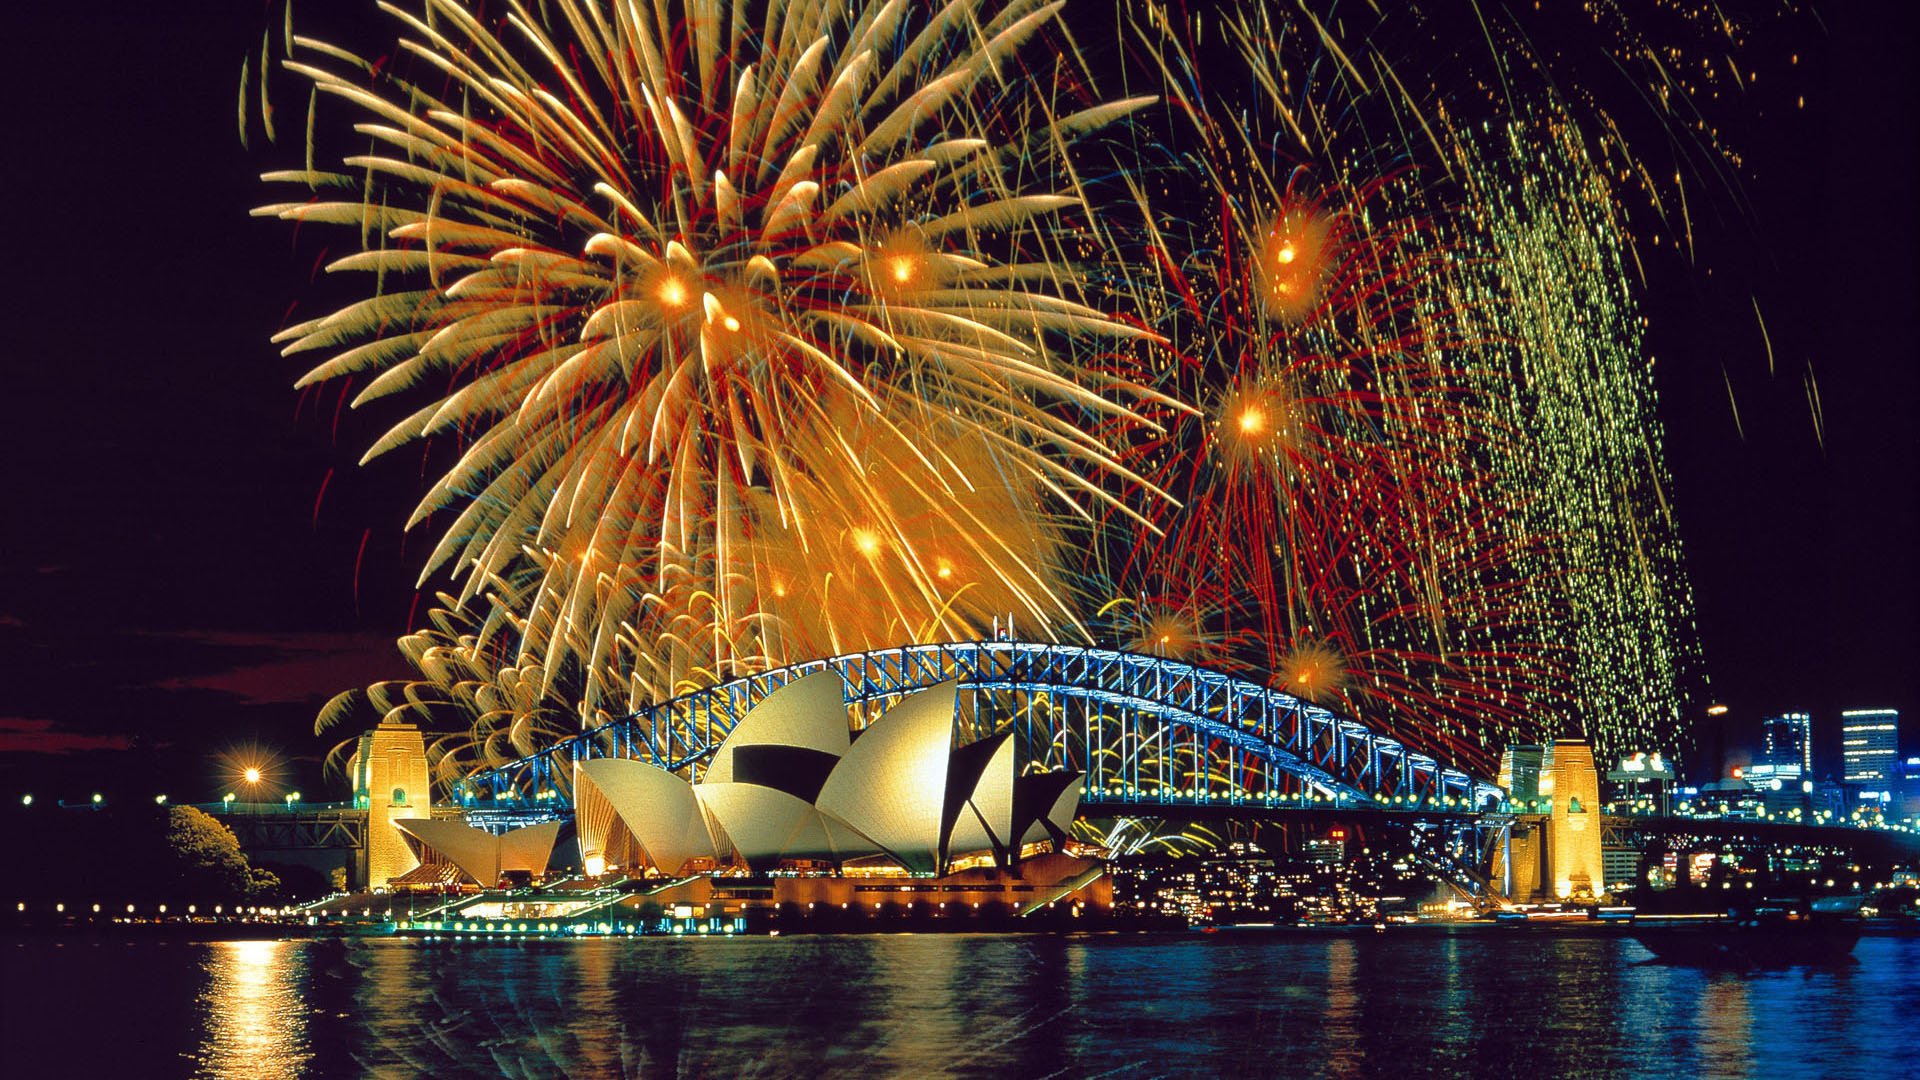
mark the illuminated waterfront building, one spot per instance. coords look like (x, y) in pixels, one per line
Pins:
(796, 813)
(1622, 866)
(1733, 798)
(1520, 772)
(1329, 850)
(1517, 866)
(792, 785)
(1242, 883)
(484, 856)
(1869, 745)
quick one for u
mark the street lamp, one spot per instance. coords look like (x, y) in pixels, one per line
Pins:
(226, 801)
(97, 798)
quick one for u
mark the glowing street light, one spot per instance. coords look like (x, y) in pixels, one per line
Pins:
(252, 775)
(98, 798)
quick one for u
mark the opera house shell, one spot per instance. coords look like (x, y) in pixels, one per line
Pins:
(792, 783)
(482, 855)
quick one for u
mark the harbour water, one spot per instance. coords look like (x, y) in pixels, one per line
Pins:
(1257, 1003)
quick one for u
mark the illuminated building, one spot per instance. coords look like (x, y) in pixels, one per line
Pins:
(1643, 784)
(484, 856)
(1330, 850)
(1787, 743)
(1732, 798)
(390, 782)
(1244, 883)
(1622, 866)
(791, 785)
(1869, 744)
(1517, 865)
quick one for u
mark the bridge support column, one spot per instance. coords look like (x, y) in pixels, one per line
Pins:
(390, 782)
(1575, 866)
(1518, 864)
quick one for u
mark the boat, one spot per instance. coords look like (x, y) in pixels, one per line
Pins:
(1770, 933)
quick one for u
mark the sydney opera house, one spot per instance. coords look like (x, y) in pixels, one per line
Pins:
(793, 785)
(796, 797)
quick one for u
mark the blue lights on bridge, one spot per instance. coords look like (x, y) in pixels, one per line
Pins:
(1147, 732)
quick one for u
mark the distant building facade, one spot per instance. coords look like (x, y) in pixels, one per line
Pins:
(1869, 745)
(1787, 744)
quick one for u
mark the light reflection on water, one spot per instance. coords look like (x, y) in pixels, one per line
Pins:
(254, 1009)
(1520, 1004)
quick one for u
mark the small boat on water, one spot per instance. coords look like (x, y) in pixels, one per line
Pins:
(1770, 933)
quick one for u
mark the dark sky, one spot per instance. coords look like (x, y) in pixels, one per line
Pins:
(175, 588)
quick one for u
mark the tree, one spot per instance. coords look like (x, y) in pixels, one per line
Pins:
(204, 861)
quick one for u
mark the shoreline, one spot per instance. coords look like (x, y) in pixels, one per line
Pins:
(197, 932)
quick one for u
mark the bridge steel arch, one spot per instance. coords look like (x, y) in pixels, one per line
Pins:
(1147, 732)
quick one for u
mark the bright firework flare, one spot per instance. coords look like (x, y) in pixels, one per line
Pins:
(657, 255)
(902, 547)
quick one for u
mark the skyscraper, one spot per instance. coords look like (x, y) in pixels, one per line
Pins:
(1788, 740)
(1869, 744)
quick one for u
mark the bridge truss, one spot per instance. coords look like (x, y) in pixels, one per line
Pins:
(1150, 734)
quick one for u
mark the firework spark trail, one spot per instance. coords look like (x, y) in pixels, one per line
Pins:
(647, 268)
(1335, 519)
(1565, 321)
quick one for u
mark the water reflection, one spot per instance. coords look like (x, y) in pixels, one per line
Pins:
(255, 1015)
(1203, 1005)
(1725, 1024)
(1346, 1050)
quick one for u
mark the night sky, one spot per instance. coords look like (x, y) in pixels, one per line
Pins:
(192, 563)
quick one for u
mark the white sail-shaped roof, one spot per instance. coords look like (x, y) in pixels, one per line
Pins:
(528, 848)
(1060, 815)
(985, 822)
(810, 711)
(480, 854)
(766, 825)
(657, 807)
(891, 784)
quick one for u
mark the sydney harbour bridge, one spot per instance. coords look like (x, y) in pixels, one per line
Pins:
(1153, 737)
(1148, 733)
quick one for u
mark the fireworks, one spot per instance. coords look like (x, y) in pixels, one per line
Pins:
(770, 331)
(1424, 485)
(699, 290)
